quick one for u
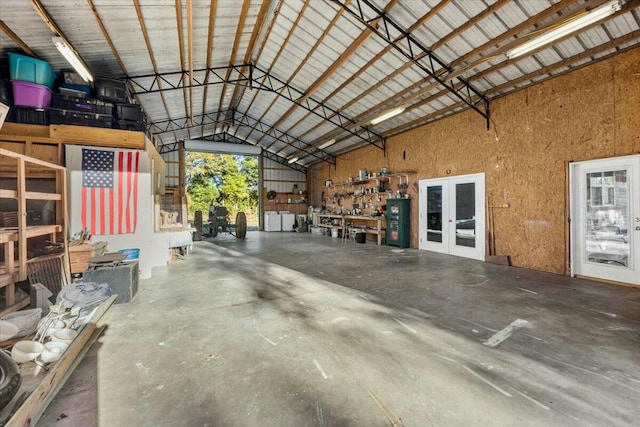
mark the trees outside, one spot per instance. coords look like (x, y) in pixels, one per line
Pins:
(222, 180)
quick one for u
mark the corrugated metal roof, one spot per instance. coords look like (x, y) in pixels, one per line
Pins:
(328, 75)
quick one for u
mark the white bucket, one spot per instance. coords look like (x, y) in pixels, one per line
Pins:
(334, 232)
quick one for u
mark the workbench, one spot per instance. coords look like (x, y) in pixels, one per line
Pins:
(341, 221)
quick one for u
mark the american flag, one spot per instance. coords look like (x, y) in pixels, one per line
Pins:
(109, 191)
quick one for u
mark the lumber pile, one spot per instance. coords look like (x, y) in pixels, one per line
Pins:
(79, 255)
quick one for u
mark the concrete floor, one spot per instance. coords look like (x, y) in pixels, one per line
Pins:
(288, 329)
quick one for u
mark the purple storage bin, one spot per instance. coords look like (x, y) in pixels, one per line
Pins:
(33, 95)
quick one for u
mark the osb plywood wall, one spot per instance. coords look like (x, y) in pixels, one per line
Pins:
(587, 114)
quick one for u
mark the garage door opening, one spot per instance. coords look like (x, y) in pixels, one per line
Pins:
(223, 182)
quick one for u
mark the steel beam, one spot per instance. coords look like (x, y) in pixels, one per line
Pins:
(169, 148)
(182, 123)
(243, 119)
(225, 137)
(391, 32)
(265, 81)
(151, 83)
(232, 117)
(256, 78)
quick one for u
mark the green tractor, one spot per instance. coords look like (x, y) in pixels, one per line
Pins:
(219, 222)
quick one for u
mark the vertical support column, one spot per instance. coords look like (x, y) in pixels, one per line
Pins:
(181, 167)
(261, 190)
(9, 267)
(22, 220)
(64, 222)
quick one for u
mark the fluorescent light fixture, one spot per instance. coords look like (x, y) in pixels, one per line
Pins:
(294, 159)
(387, 115)
(571, 26)
(72, 57)
(326, 144)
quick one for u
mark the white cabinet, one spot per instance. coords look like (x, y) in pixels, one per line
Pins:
(288, 219)
(272, 221)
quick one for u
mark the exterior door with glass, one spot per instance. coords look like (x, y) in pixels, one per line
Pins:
(605, 219)
(452, 215)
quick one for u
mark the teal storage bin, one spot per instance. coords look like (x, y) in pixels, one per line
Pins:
(31, 70)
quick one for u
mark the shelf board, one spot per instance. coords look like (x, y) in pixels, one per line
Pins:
(11, 234)
(374, 178)
(30, 195)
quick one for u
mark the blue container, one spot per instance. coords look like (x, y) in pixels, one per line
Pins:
(30, 69)
(132, 254)
(75, 89)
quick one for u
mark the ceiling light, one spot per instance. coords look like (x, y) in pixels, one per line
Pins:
(388, 115)
(292, 160)
(571, 26)
(326, 144)
(72, 57)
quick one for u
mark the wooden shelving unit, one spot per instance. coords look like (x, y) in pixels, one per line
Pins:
(367, 193)
(14, 239)
(293, 202)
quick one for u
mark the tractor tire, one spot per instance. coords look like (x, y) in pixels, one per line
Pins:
(10, 379)
(214, 227)
(241, 225)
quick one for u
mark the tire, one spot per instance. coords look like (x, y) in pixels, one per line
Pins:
(241, 225)
(10, 379)
(214, 227)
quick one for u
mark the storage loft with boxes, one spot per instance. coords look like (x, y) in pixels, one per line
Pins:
(37, 95)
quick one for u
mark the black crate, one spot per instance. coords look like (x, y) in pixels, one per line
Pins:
(131, 125)
(81, 105)
(28, 115)
(110, 90)
(6, 92)
(130, 112)
(65, 117)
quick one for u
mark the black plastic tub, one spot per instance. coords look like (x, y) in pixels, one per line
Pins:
(6, 92)
(129, 125)
(110, 90)
(28, 115)
(130, 112)
(59, 116)
(361, 237)
(81, 105)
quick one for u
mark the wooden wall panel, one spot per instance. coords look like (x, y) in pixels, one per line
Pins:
(587, 114)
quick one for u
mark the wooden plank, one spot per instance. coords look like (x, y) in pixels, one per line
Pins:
(24, 130)
(47, 152)
(30, 160)
(498, 259)
(9, 267)
(88, 247)
(11, 235)
(181, 169)
(8, 194)
(34, 406)
(6, 279)
(22, 223)
(85, 135)
(34, 195)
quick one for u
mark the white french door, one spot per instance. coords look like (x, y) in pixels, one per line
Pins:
(452, 215)
(605, 219)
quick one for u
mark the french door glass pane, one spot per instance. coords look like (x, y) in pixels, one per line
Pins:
(466, 214)
(607, 214)
(434, 213)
